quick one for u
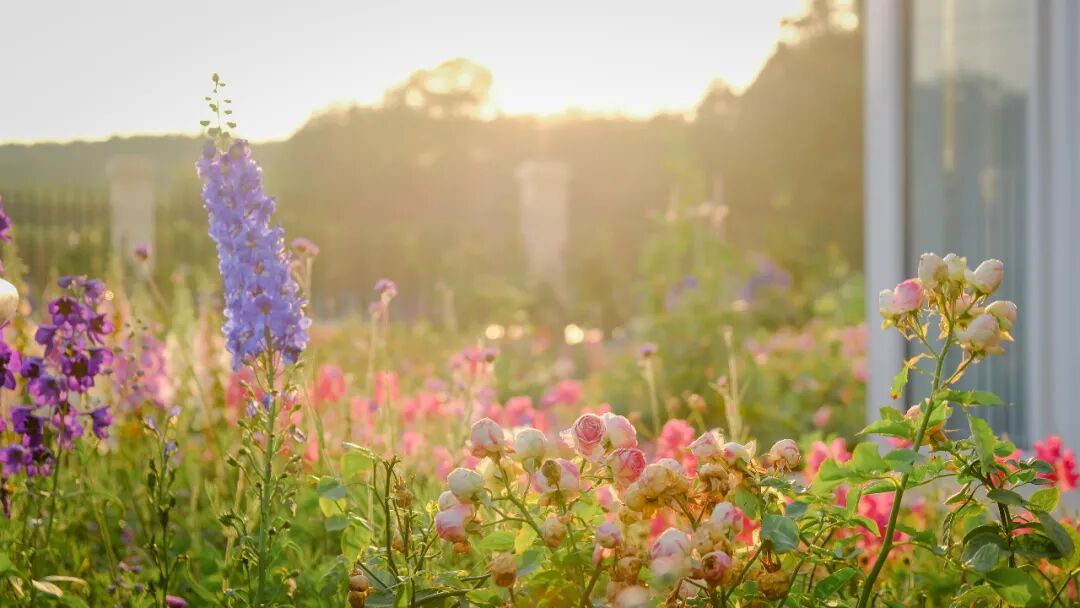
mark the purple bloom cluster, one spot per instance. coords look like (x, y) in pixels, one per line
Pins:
(73, 357)
(261, 297)
(5, 228)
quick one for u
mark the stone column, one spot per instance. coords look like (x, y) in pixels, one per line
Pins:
(544, 195)
(132, 193)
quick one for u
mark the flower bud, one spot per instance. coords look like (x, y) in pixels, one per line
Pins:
(714, 566)
(447, 500)
(465, 484)
(670, 551)
(633, 597)
(553, 531)
(608, 535)
(784, 454)
(987, 276)
(530, 446)
(734, 453)
(487, 438)
(957, 268)
(503, 569)
(558, 475)
(933, 271)
(708, 446)
(626, 465)
(587, 436)
(9, 301)
(1005, 312)
(620, 433)
(727, 518)
(982, 336)
(450, 524)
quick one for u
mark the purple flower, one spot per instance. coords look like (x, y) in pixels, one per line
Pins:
(385, 288)
(14, 458)
(9, 363)
(173, 601)
(101, 419)
(261, 298)
(32, 367)
(647, 350)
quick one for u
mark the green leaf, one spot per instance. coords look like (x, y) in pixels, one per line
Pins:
(970, 397)
(354, 539)
(781, 532)
(985, 558)
(1005, 497)
(1045, 499)
(1072, 561)
(748, 502)
(866, 460)
(833, 583)
(503, 540)
(984, 439)
(331, 489)
(900, 380)
(525, 538)
(867, 523)
(1062, 540)
(901, 461)
(336, 522)
(354, 462)
(903, 429)
(831, 470)
(1015, 586)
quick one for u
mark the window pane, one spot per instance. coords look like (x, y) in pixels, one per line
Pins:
(969, 95)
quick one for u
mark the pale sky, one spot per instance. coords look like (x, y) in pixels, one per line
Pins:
(90, 69)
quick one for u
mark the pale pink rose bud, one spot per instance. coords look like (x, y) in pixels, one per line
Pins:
(634, 497)
(785, 454)
(728, 518)
(530, 445)
(655, 480)
(587, 436)
(885, 304)
(1005, 312)
(987, 277)
(626, 465)
(957, 267)
(558, 475)
(487, 438)
(465, 484)
(450, 524)
(982, 335)
(907, 297)
(608, 535)
(670, 553)
(447, 500)
(822, 416)
(933, 271)
(620, 433)
(679, 479)
(734, 452)
(553, 531)
(714, 566)
(708, 446)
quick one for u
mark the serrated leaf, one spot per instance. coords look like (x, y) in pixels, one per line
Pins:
(970, 397)
(983, 437)
(1005, 497)
(1062, 540)
(900, 380)
(866, 459)
(1045, 499)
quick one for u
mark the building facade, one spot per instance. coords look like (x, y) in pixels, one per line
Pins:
(972, 145)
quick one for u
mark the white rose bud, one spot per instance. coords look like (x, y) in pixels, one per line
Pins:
(957, 267)
(530, 445)
(1005, 312)
(465, 484)
(987, 277)
(785, 454)
(933, 270)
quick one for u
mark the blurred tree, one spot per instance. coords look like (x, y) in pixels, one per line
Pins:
(457, 87)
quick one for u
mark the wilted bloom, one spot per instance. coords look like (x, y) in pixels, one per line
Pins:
(465, 484)
(734, 452)
(727, 517)
(633, 596)
(933, 270)
(530, 445)
(708, 446)
(553, 531)
(608, 535)
(558, 476)
(587, 436)
(626, 465)
(503, 569)
(987, 276)
(669, 551)
(142, 252)
(262, 300)
(386, 290)
(620, 433)
(487, 438)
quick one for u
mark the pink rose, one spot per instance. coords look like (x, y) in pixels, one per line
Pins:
(908, 296)
(714, 565)
(727, 518)
(708, 446)
(785, 454)
(450, 524)
(608, 535)
(487, 438)
(587, 436)
(626, 465)
(620, 432)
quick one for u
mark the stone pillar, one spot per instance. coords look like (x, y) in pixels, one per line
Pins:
(132, 194)
(544, 196)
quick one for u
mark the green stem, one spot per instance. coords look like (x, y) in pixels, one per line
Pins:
(267, 478)
(894, 514)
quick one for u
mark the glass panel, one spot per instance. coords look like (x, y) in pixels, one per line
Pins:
(969, 94)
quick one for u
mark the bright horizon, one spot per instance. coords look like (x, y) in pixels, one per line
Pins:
(124, 67)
